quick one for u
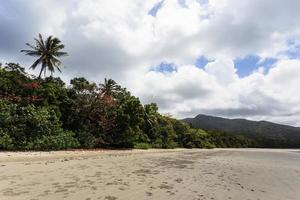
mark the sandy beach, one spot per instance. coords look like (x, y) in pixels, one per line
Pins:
(195, 174)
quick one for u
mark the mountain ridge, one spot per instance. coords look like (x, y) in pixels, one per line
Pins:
(259, 130)
(241, 119)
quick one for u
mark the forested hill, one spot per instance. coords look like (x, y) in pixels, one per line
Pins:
(265, 131)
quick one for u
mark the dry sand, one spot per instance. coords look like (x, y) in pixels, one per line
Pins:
(218, 174)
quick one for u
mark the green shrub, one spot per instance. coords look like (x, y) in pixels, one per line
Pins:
(207, 145)
(170, 145)
(63, 140)
(32, 128)
(5, 141)
(142, 146)
(86, 139)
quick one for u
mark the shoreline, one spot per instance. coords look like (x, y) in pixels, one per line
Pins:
(20, 156)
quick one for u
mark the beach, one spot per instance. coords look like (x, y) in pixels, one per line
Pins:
(191, 174)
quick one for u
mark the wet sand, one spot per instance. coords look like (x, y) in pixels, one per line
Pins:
(218, 174)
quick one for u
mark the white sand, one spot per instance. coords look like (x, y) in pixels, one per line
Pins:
(219, 174)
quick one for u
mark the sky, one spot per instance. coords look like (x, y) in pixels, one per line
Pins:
(228, 58)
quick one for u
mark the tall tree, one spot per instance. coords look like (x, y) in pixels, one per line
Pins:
(108, 87)
(48, 52)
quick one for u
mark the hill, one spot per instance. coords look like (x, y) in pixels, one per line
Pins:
(264, 132)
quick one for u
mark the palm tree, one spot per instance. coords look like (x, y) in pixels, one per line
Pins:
(108, 87)
(150, 113)
(48, 52)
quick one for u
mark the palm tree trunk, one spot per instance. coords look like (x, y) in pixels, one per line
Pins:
(40, 73)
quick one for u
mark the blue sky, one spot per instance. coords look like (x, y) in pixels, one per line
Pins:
(294, 49)
(202, 61)
(244, 66)
(164, 67)
(153, 11)
(247, 65)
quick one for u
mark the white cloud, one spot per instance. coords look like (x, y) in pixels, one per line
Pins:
(190, 91)
(119, 39)
(223, 70)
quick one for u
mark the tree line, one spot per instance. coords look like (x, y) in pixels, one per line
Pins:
(46, 114)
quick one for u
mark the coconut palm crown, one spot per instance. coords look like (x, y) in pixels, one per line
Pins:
(48, 51)
(108, 87)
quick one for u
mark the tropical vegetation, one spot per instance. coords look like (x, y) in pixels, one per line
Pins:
(46, 114)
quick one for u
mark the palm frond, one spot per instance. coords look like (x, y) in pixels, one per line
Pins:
(60, 54)
(51, 66)
(55, 41)
(39, 44)
(58, 69)
(31, 46)
(58, 47)
(33, 66)
(32, 53)
(56, 62)
(48, 42)
(41, 39)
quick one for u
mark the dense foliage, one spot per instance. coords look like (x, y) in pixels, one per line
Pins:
(44, 114)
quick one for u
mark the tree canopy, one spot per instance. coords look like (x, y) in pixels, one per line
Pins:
(43, 114)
